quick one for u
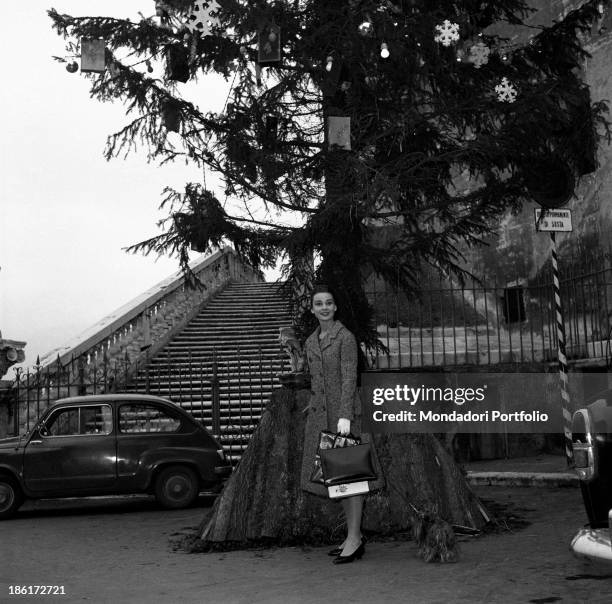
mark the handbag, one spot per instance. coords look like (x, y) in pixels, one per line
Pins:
(329, 440)
(347, 464)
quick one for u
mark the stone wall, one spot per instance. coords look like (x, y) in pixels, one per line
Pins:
(516, 251)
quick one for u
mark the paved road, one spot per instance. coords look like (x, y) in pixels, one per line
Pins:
(122, 552)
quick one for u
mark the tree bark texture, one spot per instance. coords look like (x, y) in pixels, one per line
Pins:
(262, 502)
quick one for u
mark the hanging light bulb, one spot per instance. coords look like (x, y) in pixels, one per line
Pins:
(384, 50)
(329, 63)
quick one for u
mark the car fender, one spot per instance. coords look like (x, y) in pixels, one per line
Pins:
(592, 544)
(17, 475)
(201, 460)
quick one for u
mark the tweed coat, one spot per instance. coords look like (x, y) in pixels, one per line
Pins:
(332, 363)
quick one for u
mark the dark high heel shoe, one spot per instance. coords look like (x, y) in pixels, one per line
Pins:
(356, 555)
(338, 550)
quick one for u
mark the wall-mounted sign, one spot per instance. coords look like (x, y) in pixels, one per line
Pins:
(556, 221)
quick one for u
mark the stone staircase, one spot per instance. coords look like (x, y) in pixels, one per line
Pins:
(233, 343)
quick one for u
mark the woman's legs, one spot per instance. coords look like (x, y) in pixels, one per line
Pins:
(353, 509)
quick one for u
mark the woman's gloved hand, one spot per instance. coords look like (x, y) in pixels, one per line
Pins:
(344, 426)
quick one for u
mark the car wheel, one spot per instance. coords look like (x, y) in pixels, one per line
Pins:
(176, 487)
(11, 497)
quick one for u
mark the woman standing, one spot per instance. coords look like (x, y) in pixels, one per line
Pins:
(331, 353)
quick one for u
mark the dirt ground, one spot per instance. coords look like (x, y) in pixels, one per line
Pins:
(114, 550)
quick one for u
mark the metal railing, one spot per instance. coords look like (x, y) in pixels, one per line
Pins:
(227, 391)
(486, 324)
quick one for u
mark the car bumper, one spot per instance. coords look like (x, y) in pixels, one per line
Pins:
(223, 471)
(593, 544)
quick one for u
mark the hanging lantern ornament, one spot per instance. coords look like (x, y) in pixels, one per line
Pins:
(339, 132)
(448, 33)
(479, 54)
(203, 17)
(329, 63)
(506, 92)
(72, 67)
(384, 50)
(161, 9)
(93, 55)
(269, 45)
(149, 66)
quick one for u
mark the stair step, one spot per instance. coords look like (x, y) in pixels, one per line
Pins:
(229, 330)
(259, 317)
(239, 330)
(221, 347)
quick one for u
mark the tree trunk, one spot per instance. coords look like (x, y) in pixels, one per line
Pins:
(263, 503)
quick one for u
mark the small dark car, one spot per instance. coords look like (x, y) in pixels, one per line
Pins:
(111, 444)
(592, 444)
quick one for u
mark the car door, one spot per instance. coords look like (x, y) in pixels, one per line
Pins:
(74, 450)
(145, 431)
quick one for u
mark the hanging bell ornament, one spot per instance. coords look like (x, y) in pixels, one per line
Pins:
(149, 67)
(72, 67)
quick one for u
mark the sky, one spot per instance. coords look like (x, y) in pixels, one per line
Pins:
(65, 212)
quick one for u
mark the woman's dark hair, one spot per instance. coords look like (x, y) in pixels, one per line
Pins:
(322, 288)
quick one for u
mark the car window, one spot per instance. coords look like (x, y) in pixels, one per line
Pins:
(96, 420)
(92, 419)
(141, 417)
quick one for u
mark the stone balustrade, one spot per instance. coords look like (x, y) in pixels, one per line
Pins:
(104, 356)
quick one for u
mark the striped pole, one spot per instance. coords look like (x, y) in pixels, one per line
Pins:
(563, 379)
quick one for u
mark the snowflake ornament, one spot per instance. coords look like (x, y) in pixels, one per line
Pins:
(203, 17)
(506, 92)
(447, 33)
(479, 54)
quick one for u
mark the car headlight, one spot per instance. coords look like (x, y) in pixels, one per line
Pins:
(582, 445)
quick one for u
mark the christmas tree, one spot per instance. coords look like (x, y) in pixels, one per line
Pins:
(379, 135)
